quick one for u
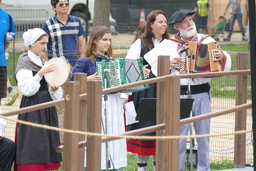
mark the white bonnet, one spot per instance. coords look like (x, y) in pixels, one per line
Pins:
(32, 35)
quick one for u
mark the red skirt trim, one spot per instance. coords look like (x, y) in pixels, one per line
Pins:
(38, 167)
(141, 147)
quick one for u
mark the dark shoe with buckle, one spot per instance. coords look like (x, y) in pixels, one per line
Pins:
(226, 39)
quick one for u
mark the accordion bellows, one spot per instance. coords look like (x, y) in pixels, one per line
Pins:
(120, 71)
(200, 58)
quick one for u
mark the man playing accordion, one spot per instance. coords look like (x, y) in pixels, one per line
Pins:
(200, 88)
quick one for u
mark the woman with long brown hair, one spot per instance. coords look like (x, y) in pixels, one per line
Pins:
(156, 30)
(98, 49)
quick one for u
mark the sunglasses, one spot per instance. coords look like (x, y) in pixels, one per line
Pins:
(62, 4)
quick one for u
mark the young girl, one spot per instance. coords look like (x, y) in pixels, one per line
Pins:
(36, 146)
(98, 49)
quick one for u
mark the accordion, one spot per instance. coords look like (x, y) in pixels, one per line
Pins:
(120, 71)
(200, 58)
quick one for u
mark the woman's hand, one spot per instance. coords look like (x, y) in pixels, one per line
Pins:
(46, 69)
(93, 77)
(146, 71)
(175, 62)
(54, 88)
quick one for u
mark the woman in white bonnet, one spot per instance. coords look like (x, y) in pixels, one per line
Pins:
(36, 146)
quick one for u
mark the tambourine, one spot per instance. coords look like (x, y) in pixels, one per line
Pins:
(61, 74)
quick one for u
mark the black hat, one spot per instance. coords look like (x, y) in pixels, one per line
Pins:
(179, 15)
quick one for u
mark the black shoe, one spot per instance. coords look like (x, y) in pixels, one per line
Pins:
(226, 39)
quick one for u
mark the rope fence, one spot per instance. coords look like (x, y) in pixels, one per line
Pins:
(123, 136)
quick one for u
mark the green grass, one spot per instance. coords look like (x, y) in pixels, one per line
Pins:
(132, 164)
(11, 66)
(225, 164)
(225, 86)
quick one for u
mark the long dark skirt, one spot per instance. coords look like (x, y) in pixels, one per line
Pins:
(37, 145)
(142, 147)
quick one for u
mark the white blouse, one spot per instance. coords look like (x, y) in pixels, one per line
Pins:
(135, 49)
(29, 84)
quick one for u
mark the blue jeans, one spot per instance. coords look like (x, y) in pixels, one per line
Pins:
(239, 18)
(203, 22)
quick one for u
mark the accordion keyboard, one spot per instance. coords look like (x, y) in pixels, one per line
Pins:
(183, 63)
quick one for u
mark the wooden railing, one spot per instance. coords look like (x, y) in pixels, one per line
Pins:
(82, 97)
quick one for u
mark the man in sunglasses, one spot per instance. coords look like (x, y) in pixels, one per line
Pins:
(66, 34)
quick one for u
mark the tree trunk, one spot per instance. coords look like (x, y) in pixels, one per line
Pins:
(101, 13)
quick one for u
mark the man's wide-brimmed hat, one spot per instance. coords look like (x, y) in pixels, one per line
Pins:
(179, 15)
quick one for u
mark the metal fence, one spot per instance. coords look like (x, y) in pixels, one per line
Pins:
(25, 19)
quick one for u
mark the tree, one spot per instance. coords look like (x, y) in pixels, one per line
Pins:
(101, 13)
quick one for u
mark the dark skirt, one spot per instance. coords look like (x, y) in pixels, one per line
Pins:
(7, 153)
(37, 145)
(142, 147)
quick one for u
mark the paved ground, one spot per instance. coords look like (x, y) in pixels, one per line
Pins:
(124, 41)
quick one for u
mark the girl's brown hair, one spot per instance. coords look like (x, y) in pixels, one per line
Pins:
(90, 48)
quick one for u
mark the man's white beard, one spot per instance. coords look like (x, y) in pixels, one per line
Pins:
(188, 33)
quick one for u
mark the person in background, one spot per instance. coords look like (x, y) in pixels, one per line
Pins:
(66, 33)
(219, 27)
(155, 32)
(36, 147)
(202, 9)
(7, 149)
(200, 87)
(99, 48)
(12, 93)
(6, 25)
(140, 31)
(237, 14)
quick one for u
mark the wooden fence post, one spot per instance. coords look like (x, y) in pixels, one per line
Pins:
(71, 118)
(82, 78)
(163, 68)
(172, 122)
(167, 151)
(94, 101)
(240, 116)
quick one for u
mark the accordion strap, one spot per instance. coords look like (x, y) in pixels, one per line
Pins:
(183, 42)
(177, 40)
(203, 37)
